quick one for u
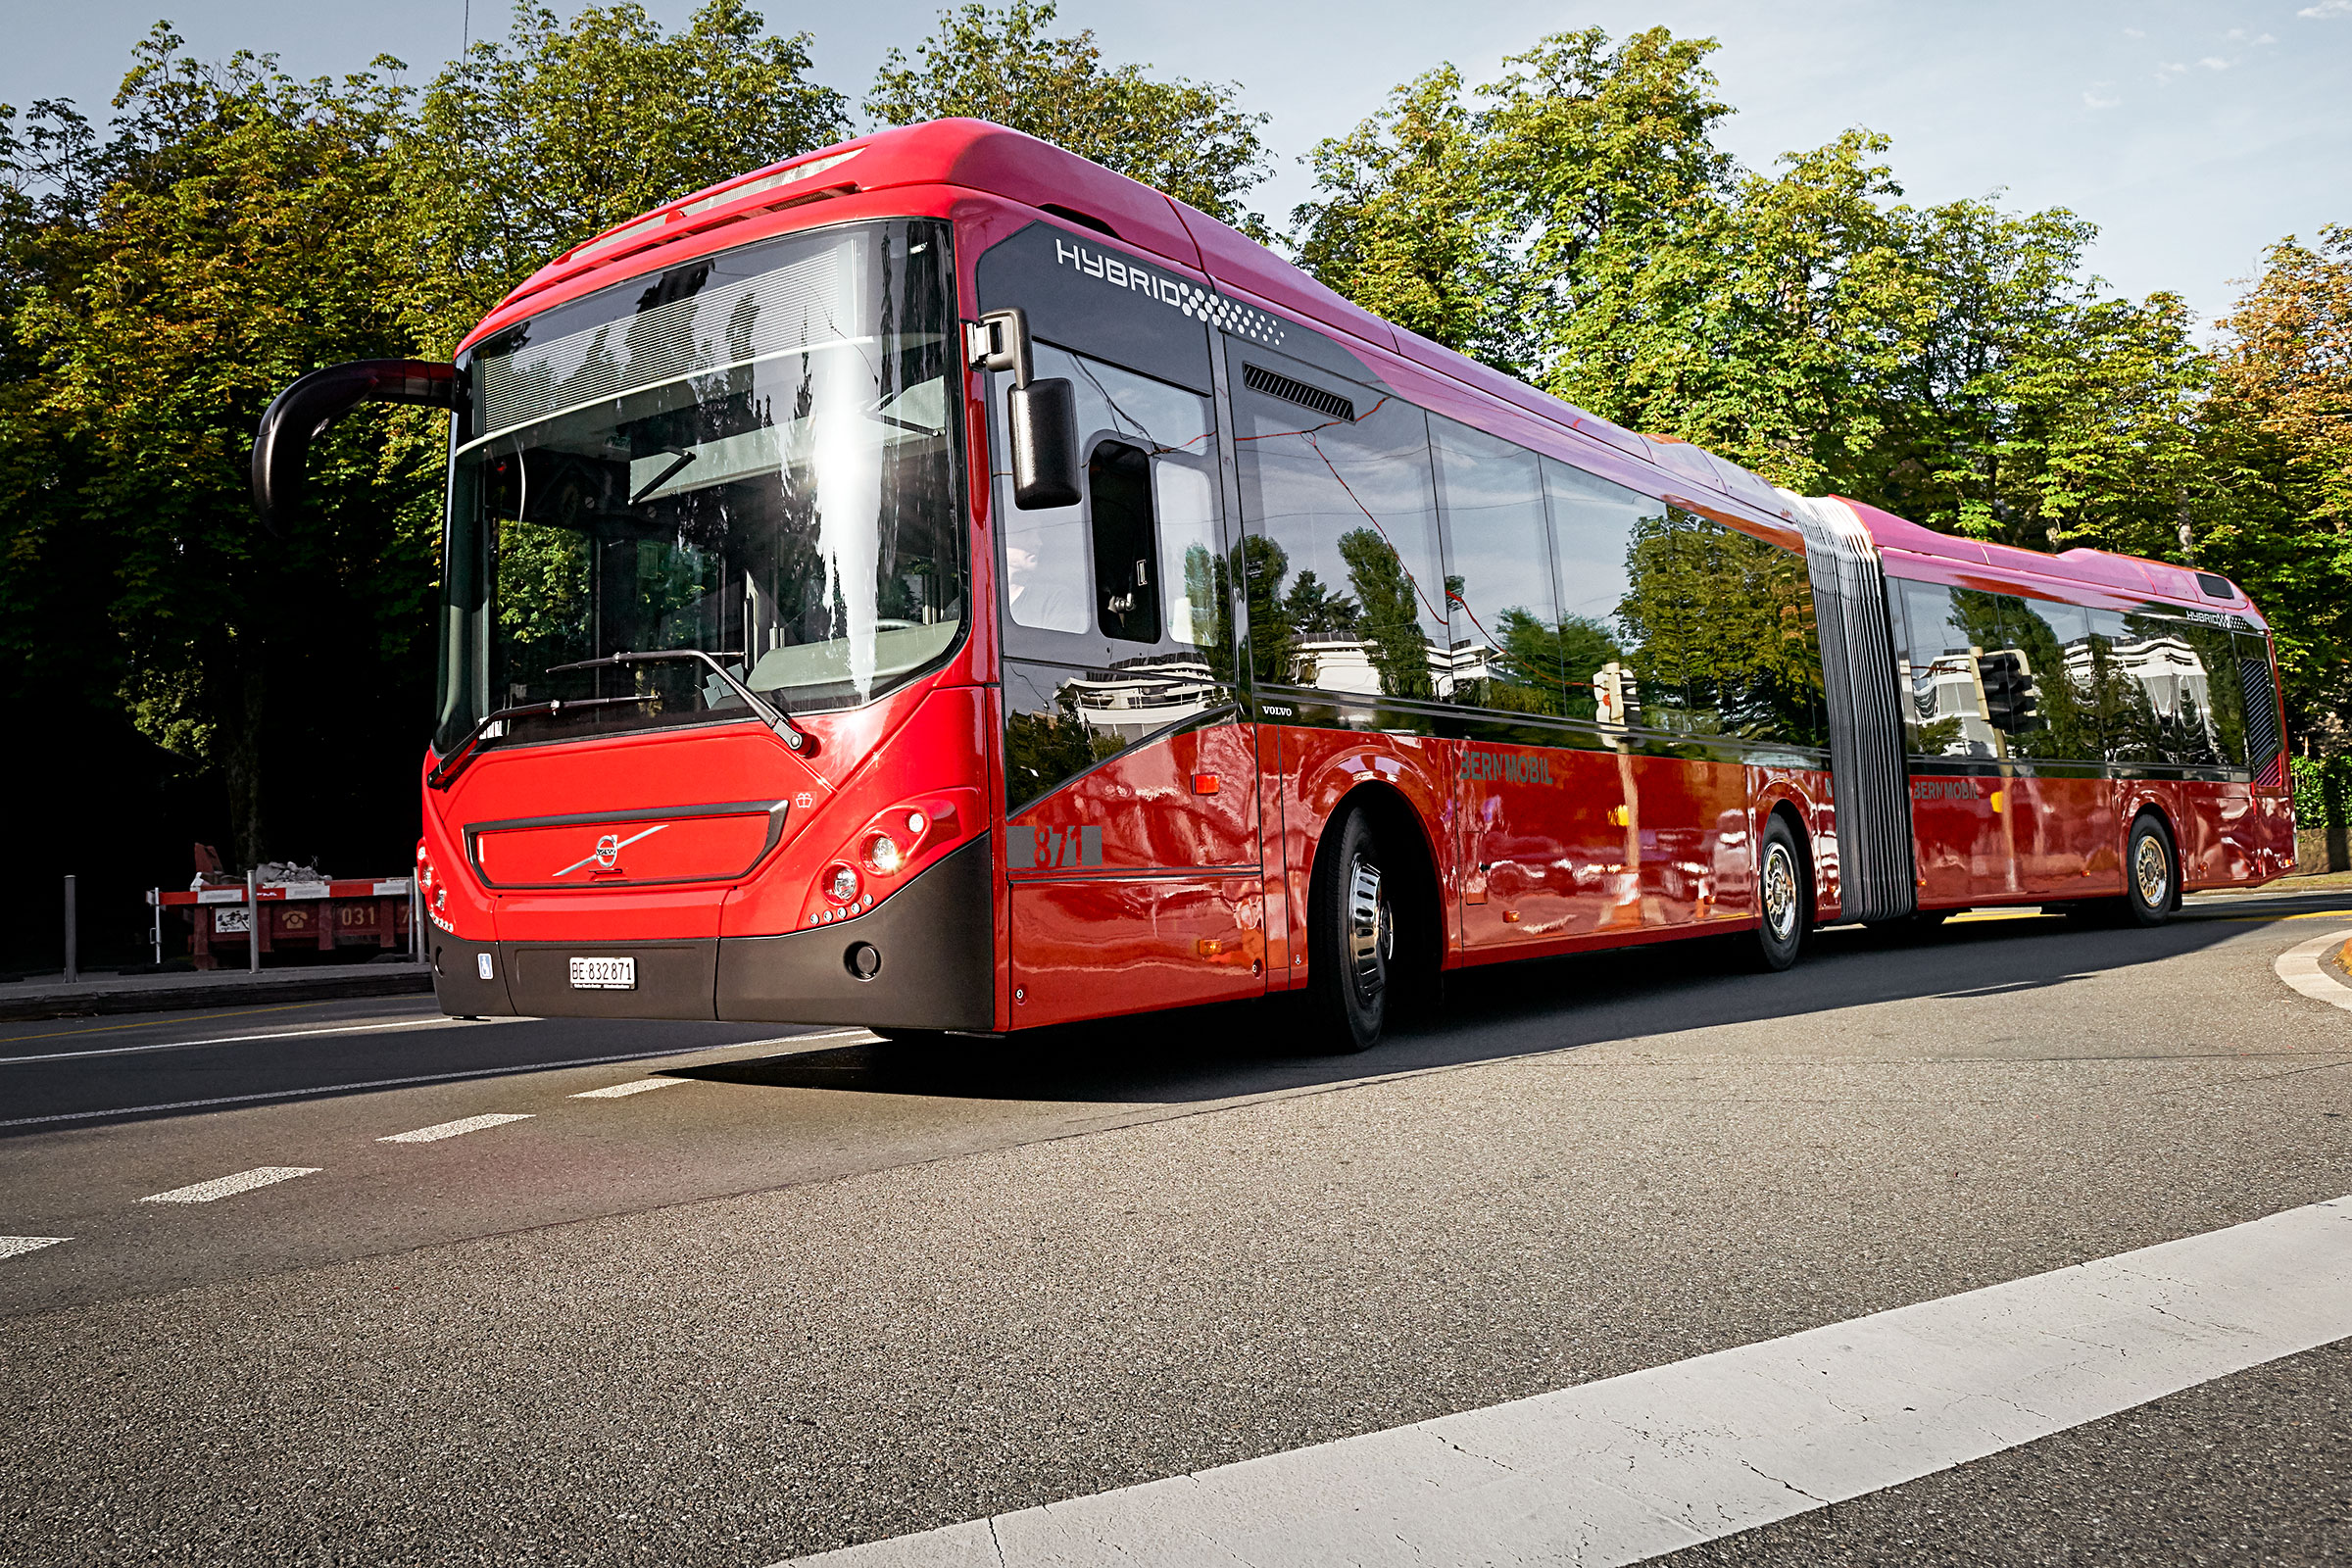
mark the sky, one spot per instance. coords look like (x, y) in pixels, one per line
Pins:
(2194, 133)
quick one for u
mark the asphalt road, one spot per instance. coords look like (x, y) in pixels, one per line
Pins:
(817, 1290)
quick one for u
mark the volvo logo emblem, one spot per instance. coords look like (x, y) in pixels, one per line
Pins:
(606, 856)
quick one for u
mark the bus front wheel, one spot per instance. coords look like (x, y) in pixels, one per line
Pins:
(1352, 936)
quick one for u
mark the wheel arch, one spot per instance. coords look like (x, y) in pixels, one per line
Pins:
(1395, 818)
(1785, 809)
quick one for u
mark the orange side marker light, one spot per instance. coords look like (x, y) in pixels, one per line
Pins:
(1205, 783)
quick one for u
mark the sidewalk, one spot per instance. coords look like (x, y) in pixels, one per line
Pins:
(50, 996)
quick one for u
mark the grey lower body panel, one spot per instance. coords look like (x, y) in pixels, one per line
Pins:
(935, 939)
(932, 966)
(673, 979)
(459, 983)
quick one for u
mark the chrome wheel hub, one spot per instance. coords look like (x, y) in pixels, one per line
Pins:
(2152, 869)
(1779, 892)
(1371, 933)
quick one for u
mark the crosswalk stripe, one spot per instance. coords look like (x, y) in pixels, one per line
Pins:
(1629, 1467)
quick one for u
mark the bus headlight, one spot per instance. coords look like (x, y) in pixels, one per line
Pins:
(883, 854)
(841, 885)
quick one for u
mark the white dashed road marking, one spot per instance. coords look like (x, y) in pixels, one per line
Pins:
(2299, 968)
(19, 1246)
(636, 1086)
(1629, 1467)
(244, 1181)
(452, 1129)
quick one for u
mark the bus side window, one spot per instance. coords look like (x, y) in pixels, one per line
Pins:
(1118, 487)
(2225, 698)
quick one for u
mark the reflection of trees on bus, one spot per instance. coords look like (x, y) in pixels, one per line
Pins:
(1720, 631)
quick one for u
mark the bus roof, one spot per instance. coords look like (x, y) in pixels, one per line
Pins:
(983, 157)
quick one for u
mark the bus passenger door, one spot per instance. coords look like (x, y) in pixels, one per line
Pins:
(1962, 834)
(1132, 841)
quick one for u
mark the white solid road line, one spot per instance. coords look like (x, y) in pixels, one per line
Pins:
(452, 1129)
(635, 1086)
(1633, 1466)
(2299, 968)
(219, 1187)
(19, 1246)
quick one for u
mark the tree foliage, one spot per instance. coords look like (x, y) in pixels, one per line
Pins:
(518, 152)
(1190, 139)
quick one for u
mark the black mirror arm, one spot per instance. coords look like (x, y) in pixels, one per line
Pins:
(301, 414)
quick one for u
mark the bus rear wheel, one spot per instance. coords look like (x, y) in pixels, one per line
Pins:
(1783, 898)
(2151, 872)
(1351, 937)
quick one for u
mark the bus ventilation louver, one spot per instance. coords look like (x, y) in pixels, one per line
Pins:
(1274, 386)
(2262, 712)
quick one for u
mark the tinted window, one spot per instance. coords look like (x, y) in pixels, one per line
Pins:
(2127, 712)
(2224, 694)
(2054, 640)
(1593, 523)
(1753, 659)
(1149, 510)
(1119, 489)
(1949, 627)
(1345, 588)
(1505, 651)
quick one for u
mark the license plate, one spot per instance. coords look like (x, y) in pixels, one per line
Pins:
(604, 974)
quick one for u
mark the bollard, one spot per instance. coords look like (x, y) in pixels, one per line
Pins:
(252, 925)
(72, 938)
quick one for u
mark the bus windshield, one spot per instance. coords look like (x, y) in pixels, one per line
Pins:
(753, 455)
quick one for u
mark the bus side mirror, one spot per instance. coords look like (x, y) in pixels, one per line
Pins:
(1045, 444)
(301, 414)
(1040, 417)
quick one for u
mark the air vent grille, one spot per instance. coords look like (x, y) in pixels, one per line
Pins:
(2215, 587)
(1257, 378)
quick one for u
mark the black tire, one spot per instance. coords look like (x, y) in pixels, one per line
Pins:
(1784, 896)
(2151, 872)
(1351, 937)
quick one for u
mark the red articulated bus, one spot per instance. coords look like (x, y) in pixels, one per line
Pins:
(941, 585)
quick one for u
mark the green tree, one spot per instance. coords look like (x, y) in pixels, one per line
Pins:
(233, 243)
(1190, 139)
(522, 151)
(1403, 226)
(2279, 427)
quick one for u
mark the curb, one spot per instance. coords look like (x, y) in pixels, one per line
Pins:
(327, 985)
(2299, 966)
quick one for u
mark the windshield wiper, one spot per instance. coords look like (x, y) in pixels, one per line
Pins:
(684, 457)
(772, 715)
(455, 762)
